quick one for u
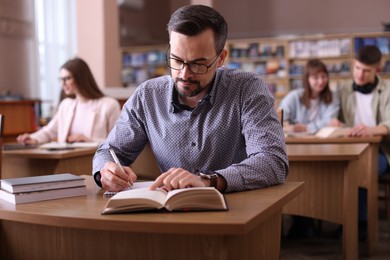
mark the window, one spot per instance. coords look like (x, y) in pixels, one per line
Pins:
(56, 43)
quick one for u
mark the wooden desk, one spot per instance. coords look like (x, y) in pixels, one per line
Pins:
(33, 162)
(330, 174)
(368, 178)
(73, 228)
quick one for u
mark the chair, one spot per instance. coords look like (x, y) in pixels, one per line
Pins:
(280, 114)
(1, 139)
(384, 181)
(145, 166)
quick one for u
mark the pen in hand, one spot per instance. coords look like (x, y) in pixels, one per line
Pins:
(118, 163)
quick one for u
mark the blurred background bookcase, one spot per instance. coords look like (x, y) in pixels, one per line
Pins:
(279, 60)
(264, 56)
(142, 63)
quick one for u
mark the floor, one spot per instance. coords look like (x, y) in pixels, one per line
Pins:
(324, 246)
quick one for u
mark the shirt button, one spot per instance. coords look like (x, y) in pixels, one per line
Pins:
(193, 144)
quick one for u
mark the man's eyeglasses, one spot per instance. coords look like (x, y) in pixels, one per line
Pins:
(64, 79)
(196, 68)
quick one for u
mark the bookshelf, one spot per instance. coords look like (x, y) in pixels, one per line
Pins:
(334, 50)
(142, 63)
(280, 61)
(382, 41)
(266, 57)
(287, 57)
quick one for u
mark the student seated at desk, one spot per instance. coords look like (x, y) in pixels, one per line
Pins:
(307, 110)
(86, 115)
(365, 107)
(204, 118)
(314, 106)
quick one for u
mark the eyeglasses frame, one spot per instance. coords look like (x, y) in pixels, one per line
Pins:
(189, 64)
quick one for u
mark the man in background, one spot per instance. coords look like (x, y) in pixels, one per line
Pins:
(365, 107)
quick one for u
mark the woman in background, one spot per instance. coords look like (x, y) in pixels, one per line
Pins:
(85, 115)
(307, 110)
(314, 106)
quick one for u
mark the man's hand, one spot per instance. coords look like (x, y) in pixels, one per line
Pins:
(178, 178)
(114, 179)
(360, 130)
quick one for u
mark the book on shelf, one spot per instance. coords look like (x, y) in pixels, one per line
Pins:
(27, 197)
(43, 182)
(383, 43)
(144, 199)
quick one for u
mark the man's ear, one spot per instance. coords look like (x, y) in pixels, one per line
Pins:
(222, 57)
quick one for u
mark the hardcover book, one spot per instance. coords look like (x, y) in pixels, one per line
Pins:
(26, 197)
(39, 183)
(188, 199)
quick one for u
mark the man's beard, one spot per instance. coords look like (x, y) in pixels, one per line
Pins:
(188, 93)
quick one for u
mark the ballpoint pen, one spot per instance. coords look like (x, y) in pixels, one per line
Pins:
(118, 163)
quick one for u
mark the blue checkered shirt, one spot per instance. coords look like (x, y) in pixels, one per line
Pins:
(234, 131)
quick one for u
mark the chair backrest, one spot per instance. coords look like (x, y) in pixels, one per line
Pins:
(280, 115)
(1, 140)
(1, 125)
(145, 166)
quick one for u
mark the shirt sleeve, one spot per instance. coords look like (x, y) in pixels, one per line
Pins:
(266, 163)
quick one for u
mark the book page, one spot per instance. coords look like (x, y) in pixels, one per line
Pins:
(331, 131)
(298, 134)
(196, 198)
(136, 199)
(136, 185)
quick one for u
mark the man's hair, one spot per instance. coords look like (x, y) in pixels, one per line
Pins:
(192, 20)
(369, 55)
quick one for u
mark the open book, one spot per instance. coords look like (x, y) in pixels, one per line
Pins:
(331, 131)
(189, 199)
(325, 132)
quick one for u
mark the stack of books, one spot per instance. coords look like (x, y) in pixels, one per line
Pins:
(45, 187)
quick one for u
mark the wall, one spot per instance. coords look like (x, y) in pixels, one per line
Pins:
(144, 26)
(18, 73)
(98, 31)
(147, 24)
(98, 39)
(254, 18)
